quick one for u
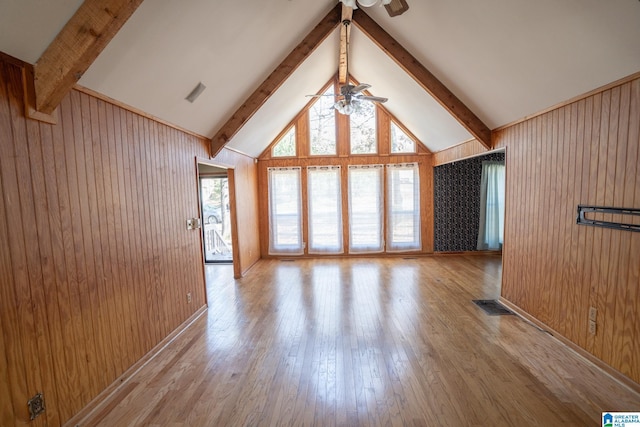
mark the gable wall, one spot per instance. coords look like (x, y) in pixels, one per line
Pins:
(343, 158)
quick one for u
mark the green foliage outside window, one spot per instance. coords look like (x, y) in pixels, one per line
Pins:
(286, 147)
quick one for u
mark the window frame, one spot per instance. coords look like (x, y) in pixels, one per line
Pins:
(275, 249)
(391, 214)
(311, 248)
(288, 130)
(361, 249)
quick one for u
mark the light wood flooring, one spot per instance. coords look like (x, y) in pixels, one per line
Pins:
(363, 342)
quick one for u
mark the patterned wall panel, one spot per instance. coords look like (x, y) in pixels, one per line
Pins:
(457, 203)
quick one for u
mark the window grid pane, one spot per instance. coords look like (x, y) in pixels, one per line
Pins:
(286, 147)
(403, 202)
(365, 209)
(285, 220)
(325, 209)
(363, 129)
(322, 125)
(400, 141)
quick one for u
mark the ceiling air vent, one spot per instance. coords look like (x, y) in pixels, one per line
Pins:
(195, 93)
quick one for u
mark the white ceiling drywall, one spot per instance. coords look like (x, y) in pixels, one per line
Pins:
(28, 26)
(505, 59)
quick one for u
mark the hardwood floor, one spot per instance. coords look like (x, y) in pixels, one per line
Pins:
(363, 342)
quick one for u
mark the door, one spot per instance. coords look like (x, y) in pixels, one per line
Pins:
(216, 220)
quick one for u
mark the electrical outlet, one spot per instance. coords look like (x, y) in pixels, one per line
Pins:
(188, 297)
(592, 327)
(593, 314)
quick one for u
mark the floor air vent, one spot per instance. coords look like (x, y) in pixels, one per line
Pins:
(492, 307)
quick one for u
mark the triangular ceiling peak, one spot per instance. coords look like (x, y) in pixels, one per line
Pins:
(300, 124)
(442, 132)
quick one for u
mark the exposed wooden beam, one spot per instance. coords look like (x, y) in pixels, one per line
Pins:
(75, 48)
(345, 32)
(423, 77)
(276, 79)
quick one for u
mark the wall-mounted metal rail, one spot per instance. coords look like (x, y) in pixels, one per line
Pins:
(584, 209)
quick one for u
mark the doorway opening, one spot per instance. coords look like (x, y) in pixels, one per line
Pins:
(215, 214)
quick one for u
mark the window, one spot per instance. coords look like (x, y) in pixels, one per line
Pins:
(325, 209)
(403, 204)
(363, 129)
(365, 208)
(285, 211)
(400, 141)
(322, 125)
(286, 147)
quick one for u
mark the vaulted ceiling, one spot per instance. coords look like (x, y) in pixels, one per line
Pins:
(504, 59)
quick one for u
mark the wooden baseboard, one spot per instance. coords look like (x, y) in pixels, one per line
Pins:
(91, 413)
(471, 253)
(613, 373)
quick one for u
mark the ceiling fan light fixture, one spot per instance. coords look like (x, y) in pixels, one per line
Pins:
(350, 3)
(367, 3)
(344, 107)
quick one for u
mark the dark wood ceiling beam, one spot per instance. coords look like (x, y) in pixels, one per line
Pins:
(423, 77)
(75, 48)
(282, 72)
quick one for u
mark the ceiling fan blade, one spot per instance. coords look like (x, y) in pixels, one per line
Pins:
(373, 98)
(360, 88)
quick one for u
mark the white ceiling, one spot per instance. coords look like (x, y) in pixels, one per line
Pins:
(505, 59)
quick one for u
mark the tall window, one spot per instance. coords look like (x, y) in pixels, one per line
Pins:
(403, 207)
(400, 141)
(363, 129)
(286, 147)
(325, 209)
(285, 211)
(322, 125)
(365, 208)
(492, 188)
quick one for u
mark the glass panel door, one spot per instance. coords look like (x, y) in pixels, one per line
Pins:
(216, 224)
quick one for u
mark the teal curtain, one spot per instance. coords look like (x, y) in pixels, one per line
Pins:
(492, 188)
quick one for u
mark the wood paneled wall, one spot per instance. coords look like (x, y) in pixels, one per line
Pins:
(244, 179)
(585, 152)
(95, 258)
(459, 152)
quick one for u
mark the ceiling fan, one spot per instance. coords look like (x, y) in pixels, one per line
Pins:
(352, 95)
(394, 7)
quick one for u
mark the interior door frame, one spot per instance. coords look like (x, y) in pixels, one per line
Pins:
(232, 211)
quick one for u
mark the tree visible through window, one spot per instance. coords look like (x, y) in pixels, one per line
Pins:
(286, 147)
(322, 125)
(400, 141)
(363, 129)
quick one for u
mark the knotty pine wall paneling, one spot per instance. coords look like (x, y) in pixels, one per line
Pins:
(96, 260)
(584, 152)
(244, 180)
